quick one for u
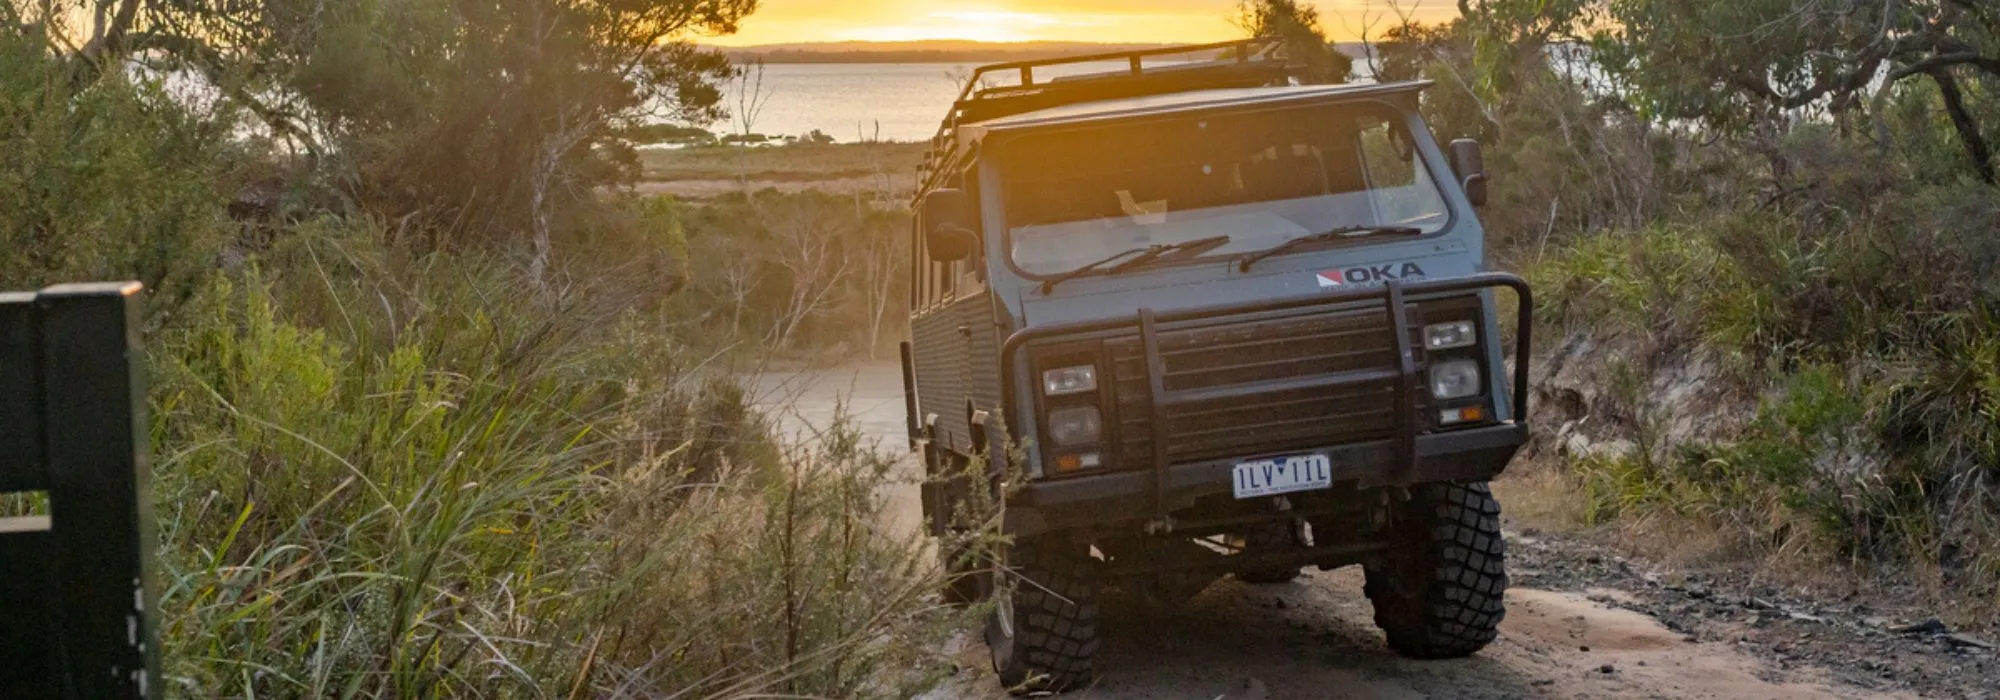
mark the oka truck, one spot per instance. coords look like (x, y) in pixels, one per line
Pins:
(1186, 319)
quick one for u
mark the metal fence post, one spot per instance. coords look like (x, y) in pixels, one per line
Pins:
(73, 426)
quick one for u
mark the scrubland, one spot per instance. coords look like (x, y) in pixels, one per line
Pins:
(391, 460)
(459, 417)
(1767, 310)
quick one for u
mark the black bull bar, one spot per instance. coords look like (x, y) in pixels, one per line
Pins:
(1392, 294)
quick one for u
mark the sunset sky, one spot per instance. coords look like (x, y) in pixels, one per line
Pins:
(787, 21)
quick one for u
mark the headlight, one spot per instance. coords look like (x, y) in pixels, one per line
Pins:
(1455, 379)
(1081, 425)
(1445, 336)
(1069, 380)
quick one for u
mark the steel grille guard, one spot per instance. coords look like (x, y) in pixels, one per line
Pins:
(1392, 294)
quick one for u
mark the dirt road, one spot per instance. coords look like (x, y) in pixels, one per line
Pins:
(1314, 638)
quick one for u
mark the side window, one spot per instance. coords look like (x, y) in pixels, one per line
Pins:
(916, 263)
(977, 263)
(1386, 154)
(1398, 184)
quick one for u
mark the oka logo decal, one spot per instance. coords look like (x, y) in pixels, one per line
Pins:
(1370, 273)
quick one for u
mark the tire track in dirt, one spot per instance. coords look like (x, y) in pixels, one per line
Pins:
(1314, 638)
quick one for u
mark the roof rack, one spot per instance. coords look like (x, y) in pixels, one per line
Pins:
(1241, 63)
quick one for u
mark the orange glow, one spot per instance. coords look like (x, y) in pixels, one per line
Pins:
(1134, 21)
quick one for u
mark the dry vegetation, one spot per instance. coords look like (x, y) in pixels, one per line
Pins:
(1767, 301)
(883, 174)
(414, 442)
(437, 403)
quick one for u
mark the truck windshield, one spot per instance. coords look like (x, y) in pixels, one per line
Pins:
(1261, 178)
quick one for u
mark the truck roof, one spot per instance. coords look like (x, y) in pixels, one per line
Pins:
(1155, 105)
(1250, 72)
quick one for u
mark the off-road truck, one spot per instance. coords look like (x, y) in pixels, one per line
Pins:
(1198, 320)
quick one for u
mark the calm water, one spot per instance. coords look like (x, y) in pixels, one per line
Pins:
(905, 101)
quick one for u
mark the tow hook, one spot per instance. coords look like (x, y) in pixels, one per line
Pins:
(1160, 526)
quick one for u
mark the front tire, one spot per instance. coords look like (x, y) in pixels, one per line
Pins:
(1043, 631)
(1438, 591)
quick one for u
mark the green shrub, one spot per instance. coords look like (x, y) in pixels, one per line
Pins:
(387, 477)
(106, 180)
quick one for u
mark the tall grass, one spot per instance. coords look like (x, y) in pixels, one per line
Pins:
(384, 477)
(383, 474)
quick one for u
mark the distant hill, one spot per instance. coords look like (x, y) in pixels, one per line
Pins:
(931, 51)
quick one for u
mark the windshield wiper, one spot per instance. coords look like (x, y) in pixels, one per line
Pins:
(1135, 257)
(1339, 234)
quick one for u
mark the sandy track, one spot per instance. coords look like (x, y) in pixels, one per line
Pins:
(1314, 638)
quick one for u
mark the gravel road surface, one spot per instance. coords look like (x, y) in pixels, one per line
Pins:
(1581, 623)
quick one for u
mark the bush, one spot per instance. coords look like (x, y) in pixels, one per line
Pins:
(108, 180)
(384, 476)
(386, 468)
(793, 271)
(1866, 317)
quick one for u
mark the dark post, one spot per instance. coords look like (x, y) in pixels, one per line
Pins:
(73, 429)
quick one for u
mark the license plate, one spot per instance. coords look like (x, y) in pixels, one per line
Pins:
(1268, 477)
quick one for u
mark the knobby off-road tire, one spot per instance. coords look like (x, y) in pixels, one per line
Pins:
(1268, 537)
(1043, 631)
(1438, 593)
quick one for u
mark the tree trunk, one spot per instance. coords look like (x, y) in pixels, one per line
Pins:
(1968, 130)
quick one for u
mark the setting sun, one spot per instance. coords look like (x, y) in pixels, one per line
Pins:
(790, 21)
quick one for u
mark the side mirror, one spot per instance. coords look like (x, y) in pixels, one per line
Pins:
(950, 233)
(1470, 166)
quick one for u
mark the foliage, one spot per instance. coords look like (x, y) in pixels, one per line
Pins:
(105, 180)
(1305, 43)
(382, 473)
(378, 477)
(1870, 328)
(649, 134)
(771, 270)
(467, 123)
(1760, 184)
(1737, 65)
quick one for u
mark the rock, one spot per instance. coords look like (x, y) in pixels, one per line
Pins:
(1930, 626)
(1542, 683)
(1585, 647)
(1278, 603)
(1802, 617)
(1607, 668)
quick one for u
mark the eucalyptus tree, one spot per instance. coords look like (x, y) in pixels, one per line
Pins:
(458, 123)
(1298, 25)
(1743, 65)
